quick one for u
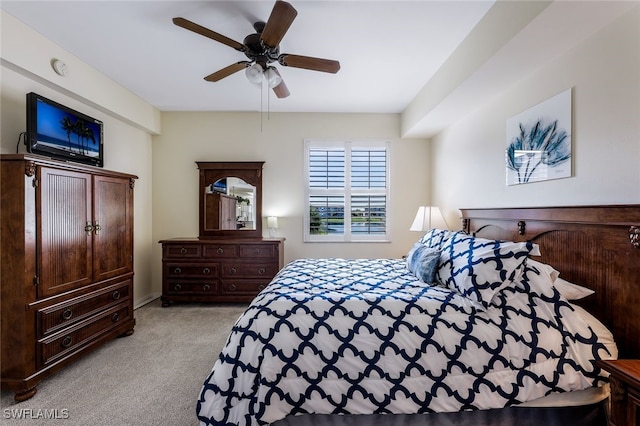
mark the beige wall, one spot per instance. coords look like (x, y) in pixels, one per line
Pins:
(604, 72)
(187, 137)
(127, 142)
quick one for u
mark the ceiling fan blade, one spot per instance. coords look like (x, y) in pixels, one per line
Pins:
(199, 29)
(281, 89)
(309, 63)
(227, 71)
(282, 15)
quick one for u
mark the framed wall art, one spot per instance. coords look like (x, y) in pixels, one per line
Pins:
(539, 141)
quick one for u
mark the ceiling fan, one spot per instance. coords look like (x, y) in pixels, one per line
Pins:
(262, 48)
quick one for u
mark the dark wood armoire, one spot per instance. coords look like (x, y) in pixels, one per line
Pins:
(67, 264)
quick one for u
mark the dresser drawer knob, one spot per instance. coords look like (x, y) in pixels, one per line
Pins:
(115, 317)
(206, 271)
(66, 342)
(261, 287)
(220, 250)
(261, 271)
(232, 287)
(116, 295)
(67, 314)
(206, 287)
(183, 250)
(257, 251)
(177, 287)
(233, 270)
(177, 271)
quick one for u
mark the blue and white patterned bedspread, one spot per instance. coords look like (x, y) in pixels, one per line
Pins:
(365, 336)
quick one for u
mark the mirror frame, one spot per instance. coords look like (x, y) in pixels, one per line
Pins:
(248, 171)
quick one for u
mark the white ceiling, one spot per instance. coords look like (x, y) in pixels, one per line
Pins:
(388, 50)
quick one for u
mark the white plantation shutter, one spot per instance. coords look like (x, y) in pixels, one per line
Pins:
(347, 190)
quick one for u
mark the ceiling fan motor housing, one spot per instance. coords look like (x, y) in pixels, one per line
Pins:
(257, 51)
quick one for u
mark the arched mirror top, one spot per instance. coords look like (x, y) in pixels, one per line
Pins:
(230, 199)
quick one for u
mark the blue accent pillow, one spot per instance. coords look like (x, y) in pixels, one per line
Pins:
(422, 261)
(479, 268)
(435, 237)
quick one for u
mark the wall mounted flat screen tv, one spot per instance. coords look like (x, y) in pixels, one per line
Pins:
(60, 132)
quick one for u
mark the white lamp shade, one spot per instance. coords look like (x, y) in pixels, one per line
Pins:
(428, 217)
(254, 73)
(272, 222)
(273, 78)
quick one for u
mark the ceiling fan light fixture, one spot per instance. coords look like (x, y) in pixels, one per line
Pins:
(273, 78)
(254, 73)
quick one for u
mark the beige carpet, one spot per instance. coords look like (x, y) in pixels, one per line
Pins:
(152, 377)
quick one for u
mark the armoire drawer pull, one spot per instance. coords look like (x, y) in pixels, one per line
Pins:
(232, 287)
(206, 287)
(261, 271)
(115, 317)
(183, 250)
(177, 271)
(66, 342)
(177, 287)
(233, 270)
(261, 287)
(67, 314)
(206, 271)
(220, 250)
(116, 295)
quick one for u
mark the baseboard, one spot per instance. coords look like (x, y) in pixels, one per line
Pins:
(150, 298)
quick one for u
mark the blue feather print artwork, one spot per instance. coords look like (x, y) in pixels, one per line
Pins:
(539, 142)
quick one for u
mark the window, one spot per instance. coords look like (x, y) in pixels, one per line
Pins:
(347, 191)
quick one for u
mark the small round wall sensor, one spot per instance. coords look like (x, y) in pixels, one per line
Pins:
(59, 67)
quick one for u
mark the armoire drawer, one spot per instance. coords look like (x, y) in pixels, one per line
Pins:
(65, 314)
(63, 343)
(249, 270)
(246, 287)
(183, 287)
(197, 270)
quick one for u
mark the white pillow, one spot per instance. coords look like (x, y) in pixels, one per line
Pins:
(571, 291)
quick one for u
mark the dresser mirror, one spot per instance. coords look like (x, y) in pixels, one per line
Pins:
(230, 199)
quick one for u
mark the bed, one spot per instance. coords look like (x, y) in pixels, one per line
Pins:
(492, 339)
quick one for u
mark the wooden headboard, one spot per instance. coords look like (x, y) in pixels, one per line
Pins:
(594, 246)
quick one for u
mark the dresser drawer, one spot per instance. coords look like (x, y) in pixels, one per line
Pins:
(182, 287)
(181, 251)
(244, 287)
(56, 317)
(258, 251)
(220, 251)
(82, 334)
(197, 270)
(249, 270)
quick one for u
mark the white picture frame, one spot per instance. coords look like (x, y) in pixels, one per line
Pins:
(539, 142)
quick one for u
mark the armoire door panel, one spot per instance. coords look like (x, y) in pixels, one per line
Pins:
(65, 252)
(113, 222)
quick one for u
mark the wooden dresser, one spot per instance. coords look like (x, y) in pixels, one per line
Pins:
(67, 265)
(218, 270)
